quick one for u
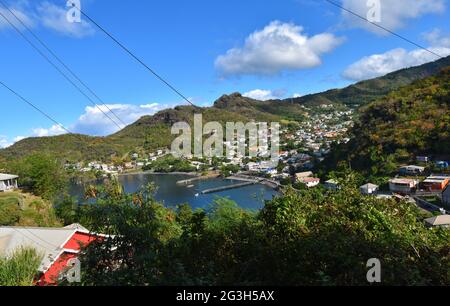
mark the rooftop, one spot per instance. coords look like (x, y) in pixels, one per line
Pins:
(439, 220)
(4, 177)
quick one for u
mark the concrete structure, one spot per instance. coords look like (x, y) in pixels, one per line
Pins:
(8, 182)
(309, 181)
(57, 245)
(439, 221)
(423, 159)
(436, 183)
(369, 189)
(412, 170)
(302, 175)
(403, 186)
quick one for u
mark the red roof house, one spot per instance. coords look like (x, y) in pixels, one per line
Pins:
(56, 245)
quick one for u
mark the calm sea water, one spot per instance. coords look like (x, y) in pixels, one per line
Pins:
(169, 193)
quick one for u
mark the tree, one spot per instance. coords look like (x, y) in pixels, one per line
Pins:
(311, 237)
(41, 174)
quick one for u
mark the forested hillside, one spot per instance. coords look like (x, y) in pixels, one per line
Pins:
(412, 121)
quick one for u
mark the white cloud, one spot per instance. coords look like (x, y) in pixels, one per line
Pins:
(437, 38)
(94, 122)
(381, 64)
(264, 95)
(297, 95)
(19, 138)
(55, 17)
(52, 131)
(394, 13)
(4, 143)
(276, 48)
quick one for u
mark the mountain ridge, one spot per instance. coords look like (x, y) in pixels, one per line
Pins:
(153, 131)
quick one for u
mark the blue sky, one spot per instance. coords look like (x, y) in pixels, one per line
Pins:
(264, 49)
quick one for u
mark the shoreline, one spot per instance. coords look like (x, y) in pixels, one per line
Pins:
(192, 174)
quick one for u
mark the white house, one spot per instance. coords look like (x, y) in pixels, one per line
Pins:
(310, 181)
(369, 189)
(8, 182)
(412, 170)
(403, 186)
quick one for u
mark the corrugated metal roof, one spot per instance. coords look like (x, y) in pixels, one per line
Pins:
(4, 177)
(439, 220)
(48, 242)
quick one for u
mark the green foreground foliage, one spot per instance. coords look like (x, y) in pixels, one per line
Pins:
(19, 269)
(299, 238)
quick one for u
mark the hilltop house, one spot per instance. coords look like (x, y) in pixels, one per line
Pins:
(403, 186)
(57, 245)
(436, 183)
(309, 181)
(303, 175)
(411, 170)
(369, 189)
(423, 159)
(8, 182)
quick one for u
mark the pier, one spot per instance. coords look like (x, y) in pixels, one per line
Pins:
(235, 186)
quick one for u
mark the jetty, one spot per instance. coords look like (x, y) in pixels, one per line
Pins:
(229, 187)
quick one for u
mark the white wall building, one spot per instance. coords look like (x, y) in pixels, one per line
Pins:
(403, 186)
(8, 182)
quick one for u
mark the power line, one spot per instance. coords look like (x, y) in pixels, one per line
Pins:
(58, 69)
(46, 115)
(383, 28)
(159, 77)
(60, 61)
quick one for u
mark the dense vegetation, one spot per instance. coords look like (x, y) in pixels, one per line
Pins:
(20, 268)
(299, 238)
(412, 121)
(22, 209)
(42, 180)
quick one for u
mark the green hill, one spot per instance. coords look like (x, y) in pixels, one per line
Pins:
(367, 91)
(153, 132)
(409, 122)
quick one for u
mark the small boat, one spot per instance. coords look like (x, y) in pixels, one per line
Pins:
(197, 195)
(190, 186)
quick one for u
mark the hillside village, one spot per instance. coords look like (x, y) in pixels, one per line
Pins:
(305, 145)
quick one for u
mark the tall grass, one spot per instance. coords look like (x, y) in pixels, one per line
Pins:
(19, 269)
